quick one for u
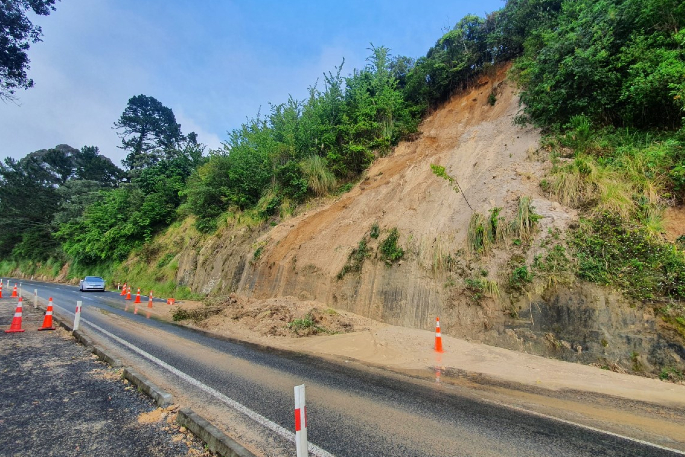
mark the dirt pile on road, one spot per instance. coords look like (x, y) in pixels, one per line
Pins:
(252, 320)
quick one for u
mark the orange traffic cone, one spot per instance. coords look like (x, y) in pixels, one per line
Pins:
(149, 302)
(0, 289)
(438, 336)
(47, 321)
(14, 292)
(137, 296)
(170, 301)
(123, 290)
(128, 293)
(16, 322)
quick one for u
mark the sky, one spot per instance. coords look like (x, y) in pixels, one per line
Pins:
(215, 63)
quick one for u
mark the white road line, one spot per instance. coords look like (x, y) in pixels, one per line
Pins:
(287, 434)
(317, 451)
(586, 427)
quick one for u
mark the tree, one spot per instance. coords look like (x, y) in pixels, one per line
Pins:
(28, 199)
(148, 131)
(90, 165)
(16, 36)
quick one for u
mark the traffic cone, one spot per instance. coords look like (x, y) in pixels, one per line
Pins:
(149, 302)
(438, 336)
(16, 322)
(123, 290)
(47, 321)
(14, 292)
(128, 293)
(0, 289)
(170, 301)
(137, 296)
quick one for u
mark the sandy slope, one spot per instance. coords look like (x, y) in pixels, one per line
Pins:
(478, 144)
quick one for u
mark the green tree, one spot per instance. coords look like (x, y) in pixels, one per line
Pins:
(90, 165)
(617, 62)
(28, 200)
(148, 131)
(17, 33)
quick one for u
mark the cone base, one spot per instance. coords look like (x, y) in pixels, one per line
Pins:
(46, 328)
(15, 331)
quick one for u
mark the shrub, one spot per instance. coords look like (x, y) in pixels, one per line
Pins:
(375, 231)
(355, 260)
(520, 277)
(389, 250)
(612, 252)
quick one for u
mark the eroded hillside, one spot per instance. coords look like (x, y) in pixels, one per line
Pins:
(329, 255)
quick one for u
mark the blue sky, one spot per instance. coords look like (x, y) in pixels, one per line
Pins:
(215, 63)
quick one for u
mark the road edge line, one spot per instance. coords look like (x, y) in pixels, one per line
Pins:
(215, 439)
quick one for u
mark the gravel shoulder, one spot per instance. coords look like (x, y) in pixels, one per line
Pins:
(57, 399)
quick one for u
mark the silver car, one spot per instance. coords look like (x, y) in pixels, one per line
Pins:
(92, 283)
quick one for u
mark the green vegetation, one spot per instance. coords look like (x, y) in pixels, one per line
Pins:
(389, 251)
(671, 374)
(485, 233)
(645, 268)
(617, 62)
(604, 79)
(307, 326)
(519, 278)
(477, 288)
(375, 231)
(492, 98)
(355, 260)
(555, 266)
(18, 33)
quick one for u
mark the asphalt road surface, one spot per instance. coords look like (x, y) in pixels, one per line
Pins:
(56, 400)
(351, 412)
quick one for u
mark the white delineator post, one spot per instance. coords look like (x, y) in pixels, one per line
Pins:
(77, 315)
(35, 298)
(300, 422)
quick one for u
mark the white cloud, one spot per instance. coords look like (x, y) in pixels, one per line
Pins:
(188, 125)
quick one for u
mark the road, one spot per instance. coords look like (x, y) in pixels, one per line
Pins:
(351, 411)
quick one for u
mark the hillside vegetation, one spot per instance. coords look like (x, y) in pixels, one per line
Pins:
(351, 174)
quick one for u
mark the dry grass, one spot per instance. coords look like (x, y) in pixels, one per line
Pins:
(586, 184)
(484, 233)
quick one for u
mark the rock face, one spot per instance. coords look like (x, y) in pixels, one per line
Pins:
(493, 163)
(591, 324)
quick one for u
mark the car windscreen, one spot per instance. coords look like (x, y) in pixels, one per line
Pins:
(94, 278)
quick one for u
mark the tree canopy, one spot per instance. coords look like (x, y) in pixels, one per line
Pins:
(17, 33)
(148, 131)
(579, 63)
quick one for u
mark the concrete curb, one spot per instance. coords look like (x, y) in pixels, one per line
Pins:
(162, 398)
(104, 356)
(216, 440)
(83, 339)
